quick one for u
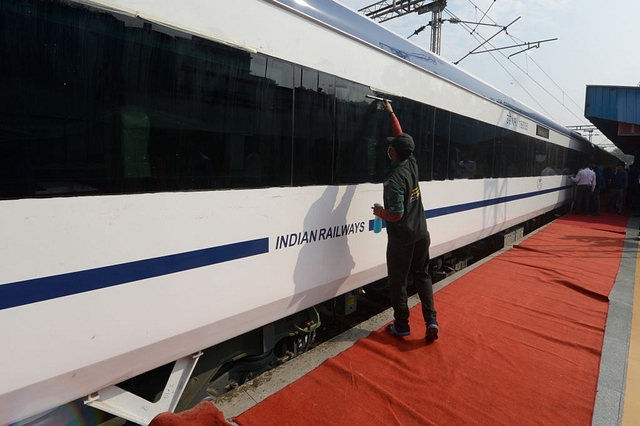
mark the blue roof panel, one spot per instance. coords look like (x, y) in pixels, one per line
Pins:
(614, 103)
(615, 110)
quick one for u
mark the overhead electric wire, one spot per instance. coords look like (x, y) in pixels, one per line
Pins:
(517, 40)
(499, 63)
(473, 34)
(553, 81)
(485, 14)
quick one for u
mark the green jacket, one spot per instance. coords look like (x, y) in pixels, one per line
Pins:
(402, 196)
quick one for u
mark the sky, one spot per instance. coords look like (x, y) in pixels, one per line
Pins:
(596, 44)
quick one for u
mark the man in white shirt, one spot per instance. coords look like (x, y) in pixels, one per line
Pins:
(586, 181)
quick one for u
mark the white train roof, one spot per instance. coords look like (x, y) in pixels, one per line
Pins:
(351, 22)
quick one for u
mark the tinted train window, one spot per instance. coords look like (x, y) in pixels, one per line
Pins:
(266, 156)
(540, 159)
(512, 154)
(575, 160)
(441, 145)
(555, 160)
(361, 131)
(471, 148)
(99, 103)
(417, 120)
(313, 126)
(486, 149)
(107, 104)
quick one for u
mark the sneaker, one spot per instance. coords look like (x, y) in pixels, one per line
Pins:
(391, 329)
(432, 333)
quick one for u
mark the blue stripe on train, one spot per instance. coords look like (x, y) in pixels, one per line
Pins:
(485, 203)
(443, 211)
(41, 289)
(46, 288)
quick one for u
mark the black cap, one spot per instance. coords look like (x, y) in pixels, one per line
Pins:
(403, 144)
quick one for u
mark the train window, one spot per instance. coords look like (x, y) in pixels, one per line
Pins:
(49, 130)
(418, 120)
(561, 159)
(513, 154)
(121, 105)
(540, 160)
(575, 160)
(362, 128)
(554, 160)
(424, 142)
(462, 157)
(471, 153)
(266, 157)
(485, 149)
(441, 144)
(361, 132)
(313, 149)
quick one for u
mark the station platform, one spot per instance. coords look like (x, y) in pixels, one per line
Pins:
(546, 332)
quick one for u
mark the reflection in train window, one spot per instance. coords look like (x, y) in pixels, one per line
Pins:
(123, 106)
(441, 144)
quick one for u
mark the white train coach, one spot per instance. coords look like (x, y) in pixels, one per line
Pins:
(176, 175)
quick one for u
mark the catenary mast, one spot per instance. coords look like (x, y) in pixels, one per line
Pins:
(388, 9)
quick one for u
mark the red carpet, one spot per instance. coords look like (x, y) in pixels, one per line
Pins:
(520, 344)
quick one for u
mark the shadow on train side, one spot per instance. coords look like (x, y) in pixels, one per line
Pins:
(226, 366)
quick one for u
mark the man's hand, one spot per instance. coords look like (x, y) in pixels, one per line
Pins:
(387, 106)
(377, 209)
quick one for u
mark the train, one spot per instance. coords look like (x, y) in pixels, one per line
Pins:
(182, 183)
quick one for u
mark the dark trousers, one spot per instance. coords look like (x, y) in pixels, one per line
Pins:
(616, 199)
(582, 199)
(595, 202)
(402, 260)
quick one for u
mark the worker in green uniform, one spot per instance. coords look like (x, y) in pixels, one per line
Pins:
(407, 235)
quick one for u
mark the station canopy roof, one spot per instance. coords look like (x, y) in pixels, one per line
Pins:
(615, 111)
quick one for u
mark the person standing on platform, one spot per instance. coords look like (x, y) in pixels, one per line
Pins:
(586, 181)
(619, 182)
(600, 185)
(633, 187)
(408, 239)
